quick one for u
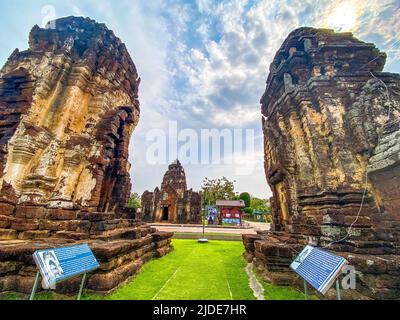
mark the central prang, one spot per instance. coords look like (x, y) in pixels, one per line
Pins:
(173, 202)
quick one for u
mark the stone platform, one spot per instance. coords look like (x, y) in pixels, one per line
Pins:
(377, 266)
(331, 124)
(120, 252)
(68, 107)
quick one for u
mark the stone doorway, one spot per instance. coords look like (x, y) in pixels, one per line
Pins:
(165, 214)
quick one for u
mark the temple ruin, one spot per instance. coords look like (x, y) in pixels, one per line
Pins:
(172, 203)
(331, 122)
(68, 107)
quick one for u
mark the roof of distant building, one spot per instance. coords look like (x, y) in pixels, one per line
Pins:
(230, 203)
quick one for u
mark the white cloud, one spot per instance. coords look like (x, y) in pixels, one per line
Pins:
(236, 117)
(225, 75)
(205, 64)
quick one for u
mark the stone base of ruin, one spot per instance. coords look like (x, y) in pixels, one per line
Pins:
(121, 246)
(377, 272)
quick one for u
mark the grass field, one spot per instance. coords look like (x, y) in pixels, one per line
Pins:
(199, 234)
(192, 271)
(273, 292)
(210, 236)
(196, 271)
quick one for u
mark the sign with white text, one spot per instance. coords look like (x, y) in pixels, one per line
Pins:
(59, 264)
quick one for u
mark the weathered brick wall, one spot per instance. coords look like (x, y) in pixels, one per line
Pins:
(325, 109)
(68, 107)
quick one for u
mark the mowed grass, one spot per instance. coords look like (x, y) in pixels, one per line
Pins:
(192, 271)
(275, 292)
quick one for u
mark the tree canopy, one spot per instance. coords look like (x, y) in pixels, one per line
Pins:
(260, 204)
(245, 196)
(217, 189)
(134, 201)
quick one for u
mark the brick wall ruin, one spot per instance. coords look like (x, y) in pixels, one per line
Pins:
(331, 126)
(68, 107)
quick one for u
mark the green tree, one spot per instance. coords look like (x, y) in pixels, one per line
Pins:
(245, 196)
(235, 197)
(248, 210)
(260, 204)
(217, 189)
(134, 201)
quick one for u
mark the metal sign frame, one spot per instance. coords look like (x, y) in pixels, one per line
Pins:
(330, 266)
(35, 285)
(61, 258)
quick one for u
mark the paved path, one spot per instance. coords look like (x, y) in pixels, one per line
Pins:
(258, 225)
(251, 229)
(255, 285)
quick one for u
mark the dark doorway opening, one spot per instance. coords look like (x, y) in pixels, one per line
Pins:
(165, 216)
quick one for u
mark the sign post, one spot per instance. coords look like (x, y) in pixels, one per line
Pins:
(338, 296)
(305, 290)
(59, 264)
(81, 287)
(32, 296)
(204, 239)
(319, 268)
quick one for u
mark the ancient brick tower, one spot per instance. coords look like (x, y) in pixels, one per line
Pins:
(173, 202)
(68, 107)
(331, 126)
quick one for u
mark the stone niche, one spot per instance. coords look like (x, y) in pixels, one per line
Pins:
(172, 203)
(68, 106)
(331, 122)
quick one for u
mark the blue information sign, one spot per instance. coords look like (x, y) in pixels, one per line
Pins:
(318, 267)
(212, 211)
(59, 264)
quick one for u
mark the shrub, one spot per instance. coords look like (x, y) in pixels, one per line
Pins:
(248, 210)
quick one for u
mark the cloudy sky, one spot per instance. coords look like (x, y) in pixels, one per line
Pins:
(204, 63)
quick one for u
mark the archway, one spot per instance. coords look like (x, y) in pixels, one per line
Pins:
(165, 213)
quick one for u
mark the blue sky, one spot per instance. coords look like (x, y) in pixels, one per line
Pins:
(204, 63)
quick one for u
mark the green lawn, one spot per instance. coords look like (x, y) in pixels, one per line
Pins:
(192, 271)
(274, 292)
(199, 234)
